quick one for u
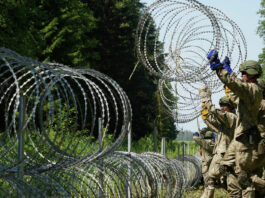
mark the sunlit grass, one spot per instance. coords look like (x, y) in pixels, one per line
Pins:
(197, 193)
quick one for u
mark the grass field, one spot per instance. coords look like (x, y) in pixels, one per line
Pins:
(196, 193)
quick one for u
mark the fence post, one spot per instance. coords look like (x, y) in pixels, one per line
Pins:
(183, 150)
(163, 146)
(129, 164)
(100, 128)
(178, 150)
(188, 148)
(21, 122)
(155, 139)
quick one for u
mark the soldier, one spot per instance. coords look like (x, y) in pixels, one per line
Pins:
(246, 134)
(207, 144)
(258, 155)
(223, 121)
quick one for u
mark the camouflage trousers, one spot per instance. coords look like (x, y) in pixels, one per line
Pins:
(246, 160)
(238, 155)
(235, 191)
(259, 184)
(205, 179)
(215, 167)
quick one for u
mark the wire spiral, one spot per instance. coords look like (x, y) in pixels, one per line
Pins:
(185, 33)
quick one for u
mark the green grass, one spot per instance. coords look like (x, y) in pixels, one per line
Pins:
(197, 193)
(146, 144)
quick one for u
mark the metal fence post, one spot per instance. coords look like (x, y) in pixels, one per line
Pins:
(21, 122)
(183, 150)
(155, 139)
(129, 164)
(163, 146)
(178, 150)
(188, 148)
(100, 129)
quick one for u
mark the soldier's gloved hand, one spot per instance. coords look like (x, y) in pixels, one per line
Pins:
(204, 113)
(205, 94)
(214, 137)
(196, 134)
(227, 91)
(226, 65)
(214, 60)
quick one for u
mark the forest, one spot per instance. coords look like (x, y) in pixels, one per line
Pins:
(97, 34)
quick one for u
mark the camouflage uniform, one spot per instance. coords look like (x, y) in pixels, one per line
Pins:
(259, 184)
(241, 147)
(207, 146)
(224, 124)
(258, 154)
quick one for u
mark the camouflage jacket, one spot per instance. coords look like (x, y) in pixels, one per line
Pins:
(261, 121)
(250, 96)
(207, 151)
(223, 123)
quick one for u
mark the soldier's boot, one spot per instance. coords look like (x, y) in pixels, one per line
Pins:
(205, 192)
(210, 192)
(249, 192)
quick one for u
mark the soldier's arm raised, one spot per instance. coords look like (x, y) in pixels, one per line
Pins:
(222, 117)
(244, 91)
(204, 144)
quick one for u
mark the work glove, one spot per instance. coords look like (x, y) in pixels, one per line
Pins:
(214, 60)
(204, 114)
(227, 91)
(214, 137)
(196, 134)
(226, 65)
(205, 94)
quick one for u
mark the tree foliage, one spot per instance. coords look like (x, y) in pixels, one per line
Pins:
(97, 34)
(261, 30)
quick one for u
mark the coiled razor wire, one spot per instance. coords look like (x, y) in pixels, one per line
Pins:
(62, 107)
(185, 33)
(62, 112)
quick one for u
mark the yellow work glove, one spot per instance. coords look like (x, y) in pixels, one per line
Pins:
(227, 91)
(204, 113)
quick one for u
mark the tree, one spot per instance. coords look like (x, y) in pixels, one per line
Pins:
(54, 31)
(261, 30)
(98, 34)
(116, 28)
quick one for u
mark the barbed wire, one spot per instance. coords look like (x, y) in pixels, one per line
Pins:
(66, 116)
(185, 32)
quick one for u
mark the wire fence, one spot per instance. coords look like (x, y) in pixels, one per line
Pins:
(185, 33)
(55, 141)
(62, 126)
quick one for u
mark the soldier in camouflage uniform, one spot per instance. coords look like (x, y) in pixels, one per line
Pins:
(246, 134)
(223, 122)
(258, 155)
(207, 145)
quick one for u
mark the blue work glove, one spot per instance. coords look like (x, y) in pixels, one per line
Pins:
(214, 60)
(196, 134)
(226, 65)
(214, 137)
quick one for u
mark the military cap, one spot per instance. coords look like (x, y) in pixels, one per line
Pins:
(225, 101)
(251, 67)
(204, 130)
(208, 134)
